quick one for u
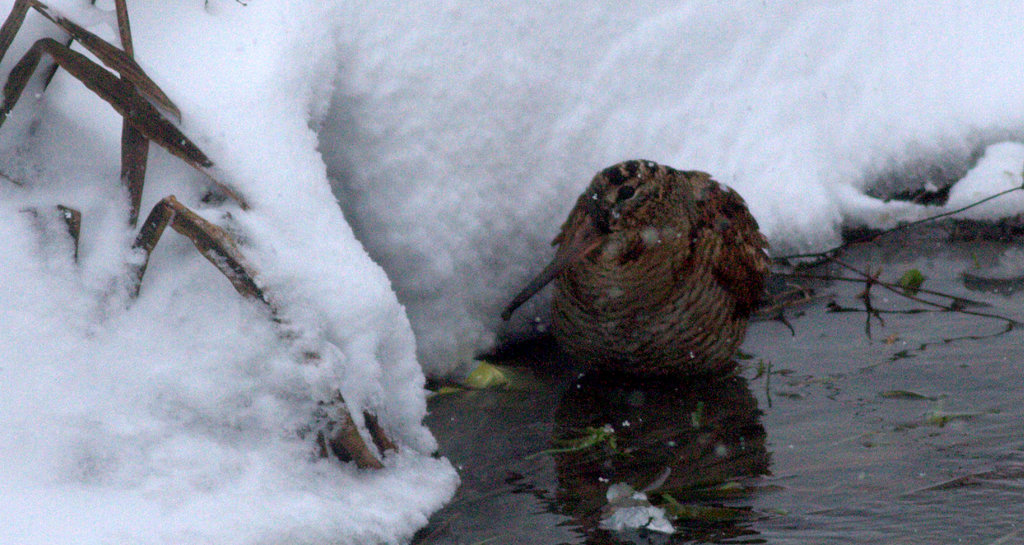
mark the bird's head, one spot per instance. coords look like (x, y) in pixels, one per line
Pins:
(626, 196)
(622, 196)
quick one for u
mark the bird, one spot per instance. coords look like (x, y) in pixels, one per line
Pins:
(656, 272)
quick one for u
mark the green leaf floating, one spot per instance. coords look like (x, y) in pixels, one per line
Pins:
(911, 281)
(589, 438)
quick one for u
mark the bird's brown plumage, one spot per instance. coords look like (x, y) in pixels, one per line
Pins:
(657, 271)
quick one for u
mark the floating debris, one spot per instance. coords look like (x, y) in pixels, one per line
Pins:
(702, 513)
(628, 508)
(911, 281)
(906, 394)
(487, 376)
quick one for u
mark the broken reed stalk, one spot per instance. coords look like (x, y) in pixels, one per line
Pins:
(211, 240)
(114, 58)
(12, 24)
(119, 94)
(73, 219)
(134, 145)
(134, 159)
(380, 439)
(124, 27)
(343, 437)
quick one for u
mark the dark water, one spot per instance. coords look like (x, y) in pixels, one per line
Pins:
(914, 434)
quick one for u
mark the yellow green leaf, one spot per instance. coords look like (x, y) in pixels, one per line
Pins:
(486, 376)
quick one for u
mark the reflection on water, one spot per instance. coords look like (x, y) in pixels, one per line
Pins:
(1003, 275)
(537, 463)
(676, 442)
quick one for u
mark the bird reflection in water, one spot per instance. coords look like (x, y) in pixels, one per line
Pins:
(677, 442)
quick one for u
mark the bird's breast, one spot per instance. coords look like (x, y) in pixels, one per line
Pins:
(628, 274)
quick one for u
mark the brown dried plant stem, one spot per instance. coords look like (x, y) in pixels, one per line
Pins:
(211, 240)
(12, 24)
(344, 437)
(134, 145)
(865, 296)
(112, 57)
(119, 94)
(73, 220)
(955, 306)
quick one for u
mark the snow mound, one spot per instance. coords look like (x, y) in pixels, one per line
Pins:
(999, 169)
(461, 134)
(183, 416)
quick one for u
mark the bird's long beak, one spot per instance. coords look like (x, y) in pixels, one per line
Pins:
(585, 238)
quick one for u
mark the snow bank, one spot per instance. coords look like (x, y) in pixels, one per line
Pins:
(177, 418)
(999, 169)
(461, 133)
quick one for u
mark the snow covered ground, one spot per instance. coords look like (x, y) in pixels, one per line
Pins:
(455, 136)
(176, 418)
(461, 132)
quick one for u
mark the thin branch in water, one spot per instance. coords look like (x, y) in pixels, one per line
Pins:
(781, 317)
(870, 280)
(957, 301)
(950, 308)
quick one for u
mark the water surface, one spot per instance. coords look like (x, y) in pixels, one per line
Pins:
(907, 427)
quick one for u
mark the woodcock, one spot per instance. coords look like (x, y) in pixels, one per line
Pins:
(657, 271)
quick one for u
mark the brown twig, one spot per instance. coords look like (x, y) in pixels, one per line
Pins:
(957, 305)
(957, 300)
(343, 437)
(134, 145)
(865, 296)
(211, 240)
(130, 95)
(377, 434)
(73, 220)
(124, 28)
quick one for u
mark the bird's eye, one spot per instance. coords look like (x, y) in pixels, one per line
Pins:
(626, 192)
